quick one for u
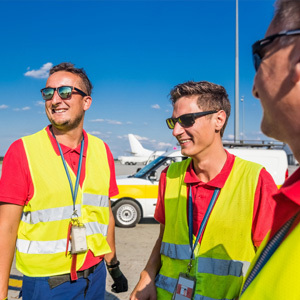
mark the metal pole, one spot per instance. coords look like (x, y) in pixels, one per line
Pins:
(243, 116)
(236, 112)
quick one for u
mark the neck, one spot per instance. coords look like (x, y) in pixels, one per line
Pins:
(209, 166)
(71, 138)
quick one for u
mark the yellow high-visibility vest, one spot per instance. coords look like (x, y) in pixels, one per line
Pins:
(226, 250)
(42, 234)
(279, 277)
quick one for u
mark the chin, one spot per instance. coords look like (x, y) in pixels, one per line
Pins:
(269, 129)
(186, 152)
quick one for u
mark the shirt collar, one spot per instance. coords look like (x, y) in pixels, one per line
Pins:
(64, 148)
(291, 188)
(218, 181)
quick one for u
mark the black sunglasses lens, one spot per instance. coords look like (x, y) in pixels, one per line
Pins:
(65, 92)
(170, 123)
(256, 61)
(186, 120)
(47, 93)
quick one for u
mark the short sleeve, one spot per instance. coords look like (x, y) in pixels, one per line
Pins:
(159, 214)
(15, 184)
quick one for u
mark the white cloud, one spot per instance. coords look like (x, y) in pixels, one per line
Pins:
(155, 106)
(114, 122)
(22, 109)
(164, 145)
(97, 120)
(3, 106)
(230, 136)
(43, 72)
(141, 138)
(39, 103)
(95, 132)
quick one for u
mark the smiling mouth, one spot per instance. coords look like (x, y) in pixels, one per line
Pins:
(182, 142)
(58, 111)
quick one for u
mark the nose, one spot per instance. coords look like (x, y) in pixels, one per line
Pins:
(178, 130)
(254, 91)
(56, 99)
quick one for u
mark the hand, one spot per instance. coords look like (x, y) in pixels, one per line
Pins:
(145, 289)
(120, 282)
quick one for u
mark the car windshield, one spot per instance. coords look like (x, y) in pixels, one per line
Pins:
(150, 166)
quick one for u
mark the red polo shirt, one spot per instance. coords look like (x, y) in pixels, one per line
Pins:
(16, 186)
(287, 202)
(202, 193)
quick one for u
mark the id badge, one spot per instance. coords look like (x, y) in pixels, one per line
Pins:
(185, 287)
(78, 239)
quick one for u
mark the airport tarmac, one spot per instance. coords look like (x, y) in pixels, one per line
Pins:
(133, 245)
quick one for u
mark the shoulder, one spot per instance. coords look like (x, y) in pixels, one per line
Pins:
(247, 164)
(15, 157)
(16, 149)
(181, 165)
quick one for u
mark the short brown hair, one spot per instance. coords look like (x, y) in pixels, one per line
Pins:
(211, 96)
(69, 67)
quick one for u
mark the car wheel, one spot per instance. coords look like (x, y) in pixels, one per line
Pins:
(127, 213)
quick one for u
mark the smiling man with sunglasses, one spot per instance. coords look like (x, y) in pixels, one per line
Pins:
(212, 207)
(274, 273)
(54, 193)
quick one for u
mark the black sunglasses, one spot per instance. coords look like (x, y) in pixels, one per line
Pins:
(188, 120)
(259, 45)
(64, 92)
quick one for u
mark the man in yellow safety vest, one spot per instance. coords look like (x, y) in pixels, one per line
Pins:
(213, 207)
(274, 273)
(55, 208)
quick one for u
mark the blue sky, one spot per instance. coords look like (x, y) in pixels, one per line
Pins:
(134, 52)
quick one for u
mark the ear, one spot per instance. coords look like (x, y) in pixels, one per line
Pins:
(220, 119)
(87, 101)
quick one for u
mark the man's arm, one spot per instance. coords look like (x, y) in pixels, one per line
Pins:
(10, 216)
(145, 288)
(120, 281)
(111, 258)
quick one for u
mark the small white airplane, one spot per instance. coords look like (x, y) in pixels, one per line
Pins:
(140, 154)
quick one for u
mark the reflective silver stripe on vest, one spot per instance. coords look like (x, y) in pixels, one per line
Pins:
(95, 227)
(65, 212)
(42, 247)
(206, 264)
(95, 200)
(50, 247)
(175, 251)
(166, 283)
(222, 267)
(50, 214)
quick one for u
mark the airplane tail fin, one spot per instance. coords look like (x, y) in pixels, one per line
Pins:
(135, 145)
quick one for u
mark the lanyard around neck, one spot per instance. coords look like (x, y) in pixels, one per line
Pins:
(204, 221)
(75, 191)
